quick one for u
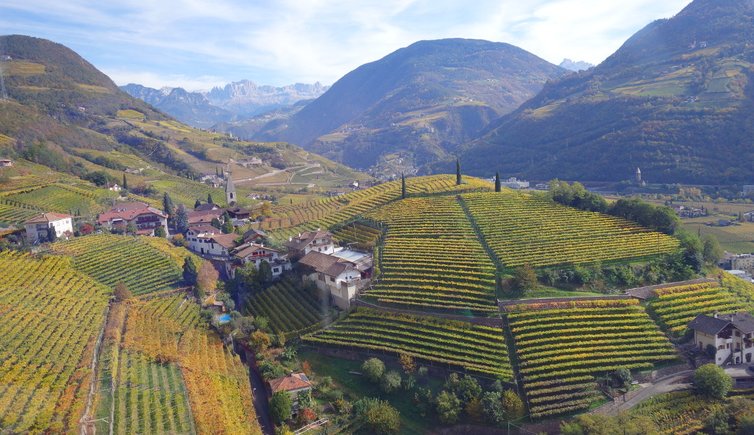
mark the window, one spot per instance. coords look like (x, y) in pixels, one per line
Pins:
(738, 333)
(721, 347)
(727, 345)
(332, 279)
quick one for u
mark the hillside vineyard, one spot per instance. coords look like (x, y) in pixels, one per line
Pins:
(161, 279)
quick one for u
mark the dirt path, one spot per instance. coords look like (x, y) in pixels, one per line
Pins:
(675, 382)
(261, 405)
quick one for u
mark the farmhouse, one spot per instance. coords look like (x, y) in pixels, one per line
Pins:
(341, 277)
(238, 213)
(316, 241)
(198, 217)
(293, 384)
(730, 335)
(39, 227)
(6, 163)
(208, 240)
(145, 217)
(515, 183)
(257, 253)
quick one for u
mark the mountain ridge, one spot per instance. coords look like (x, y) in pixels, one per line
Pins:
(428, 96)
(675, 100)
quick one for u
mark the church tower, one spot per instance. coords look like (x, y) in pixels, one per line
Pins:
(230, 189)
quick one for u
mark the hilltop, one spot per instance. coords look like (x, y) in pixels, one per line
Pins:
(675, 100)
(420, 101)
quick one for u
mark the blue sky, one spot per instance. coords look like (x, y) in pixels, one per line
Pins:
(198, 44)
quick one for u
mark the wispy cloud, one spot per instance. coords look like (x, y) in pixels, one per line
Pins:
(198, 44)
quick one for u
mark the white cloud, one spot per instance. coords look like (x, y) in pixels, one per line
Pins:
(153, 80)
(196, 43)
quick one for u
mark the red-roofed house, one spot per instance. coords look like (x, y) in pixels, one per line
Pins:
(293, 384)
(38, 228)
(145, 217)
(196, 217)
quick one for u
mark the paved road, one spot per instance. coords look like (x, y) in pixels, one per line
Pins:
(670, 383)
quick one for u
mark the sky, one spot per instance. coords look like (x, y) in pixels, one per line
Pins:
(198, 44)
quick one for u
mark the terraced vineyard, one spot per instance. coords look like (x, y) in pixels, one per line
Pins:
(150, 397)
(111, 259)
(432, 257)
(50, 317)
(13, 214)
(59, 198)
(525, 229)
(358, 236)
(292, 219)
(676, 306)
(479, 349)
(562, 346)
(187, 192)
(168, 373)
(289, 307)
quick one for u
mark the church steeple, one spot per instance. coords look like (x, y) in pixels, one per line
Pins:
(230, 189)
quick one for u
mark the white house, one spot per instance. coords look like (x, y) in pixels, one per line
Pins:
(514, 183)
(208, 240)
(38, 227)
(6, 163)
(257, 253)
(311, 241)
(731, 335)
(340, 277)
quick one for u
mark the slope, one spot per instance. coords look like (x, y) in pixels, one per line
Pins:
(421, 100)
(64, 114)
(675, 100)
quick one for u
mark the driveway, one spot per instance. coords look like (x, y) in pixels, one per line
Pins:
(675, 382)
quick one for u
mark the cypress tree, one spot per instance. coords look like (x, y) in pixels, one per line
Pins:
(458, 172)
(497, 181)
(167, 205)
(209, 199)
(125, 182)
(403, 186)
(197, 204)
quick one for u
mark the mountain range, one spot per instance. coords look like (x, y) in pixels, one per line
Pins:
(235, 101)
(675, 100)
(420, 102)
(573, 65)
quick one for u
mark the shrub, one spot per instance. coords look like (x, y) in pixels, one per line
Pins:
(390, 381)
(712, 381)
(280, 406)
(373, 369)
